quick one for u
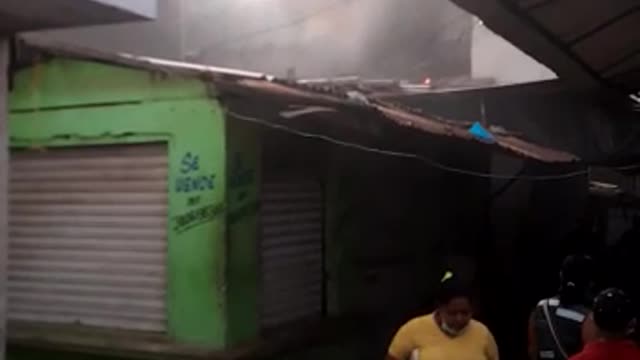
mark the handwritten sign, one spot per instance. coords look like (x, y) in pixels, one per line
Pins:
(197, 217)
(241, 177)
(191, 179)
(190, 163)
(239, 174)
(194, 201)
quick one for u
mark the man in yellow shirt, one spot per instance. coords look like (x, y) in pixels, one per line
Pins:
(448, 334)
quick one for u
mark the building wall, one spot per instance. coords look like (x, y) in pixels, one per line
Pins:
(4, 188)
(394, 227)
(70, 96)
(212, 289)
(244, 165)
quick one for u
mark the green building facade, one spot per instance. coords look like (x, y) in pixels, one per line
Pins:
(214, 175)
(223, 187)
(73, 103)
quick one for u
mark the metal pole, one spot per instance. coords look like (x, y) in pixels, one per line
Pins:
(4, 190)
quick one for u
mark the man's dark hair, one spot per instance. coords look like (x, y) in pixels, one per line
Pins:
(576, 277)
(613, 311)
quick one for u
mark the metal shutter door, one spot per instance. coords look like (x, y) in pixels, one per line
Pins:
(88, 236)
(291, 252)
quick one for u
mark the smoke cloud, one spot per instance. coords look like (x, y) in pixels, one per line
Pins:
(404, 39)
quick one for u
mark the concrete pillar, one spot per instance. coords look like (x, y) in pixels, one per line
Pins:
(4, 190)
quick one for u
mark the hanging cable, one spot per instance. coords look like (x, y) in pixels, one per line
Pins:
(398, 154)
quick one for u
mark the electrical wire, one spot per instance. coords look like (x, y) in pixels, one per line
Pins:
(398, 154)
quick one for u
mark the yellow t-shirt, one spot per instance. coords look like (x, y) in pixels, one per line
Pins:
(424, 336)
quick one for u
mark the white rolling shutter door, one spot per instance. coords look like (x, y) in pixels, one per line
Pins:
(291, 252)
(88, 236)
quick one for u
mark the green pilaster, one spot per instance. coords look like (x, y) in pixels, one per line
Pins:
(243, 171)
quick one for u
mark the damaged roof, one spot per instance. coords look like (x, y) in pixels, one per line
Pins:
(285, 102)
(590, 42)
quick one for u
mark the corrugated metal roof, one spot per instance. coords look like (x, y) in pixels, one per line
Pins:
(293, 96)
(590, 41)
(406, 118)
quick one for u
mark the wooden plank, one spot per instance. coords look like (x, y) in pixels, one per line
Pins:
(4, 178)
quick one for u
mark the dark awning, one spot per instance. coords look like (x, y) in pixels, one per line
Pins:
(591, 42)
(27, 15)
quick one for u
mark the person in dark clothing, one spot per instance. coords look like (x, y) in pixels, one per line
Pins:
(623, 267)
(612, 319)
(555, 325)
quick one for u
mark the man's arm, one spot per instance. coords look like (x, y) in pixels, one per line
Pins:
(589, 331)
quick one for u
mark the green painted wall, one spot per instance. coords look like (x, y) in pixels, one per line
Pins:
(63, 82)
(50, 108)
(213, 261)
(243, 171)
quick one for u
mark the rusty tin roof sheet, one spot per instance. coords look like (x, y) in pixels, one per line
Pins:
(266, 85)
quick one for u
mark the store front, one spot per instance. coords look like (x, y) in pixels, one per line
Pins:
(19, 16)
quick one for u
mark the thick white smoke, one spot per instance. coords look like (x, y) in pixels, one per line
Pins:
(408, 39)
